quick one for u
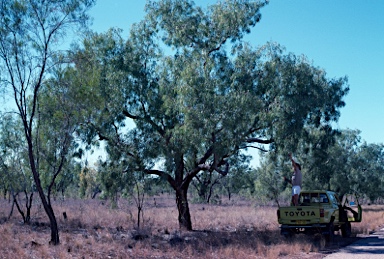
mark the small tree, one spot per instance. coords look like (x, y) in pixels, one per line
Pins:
(88, 184)
(138, 195)
(270, 184)
(16, 175)
(28, 34)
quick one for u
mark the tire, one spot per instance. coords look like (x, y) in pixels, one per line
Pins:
(329, 237)
(287, 234)
(346, 229)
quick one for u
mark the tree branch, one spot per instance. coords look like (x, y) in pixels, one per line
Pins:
(260, 141)
(162, 174)
(259, 148)
(129, 115)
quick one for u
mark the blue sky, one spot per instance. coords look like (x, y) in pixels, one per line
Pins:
(345, 37)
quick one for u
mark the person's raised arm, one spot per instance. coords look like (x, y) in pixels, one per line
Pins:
(294, 167)
(293, 161)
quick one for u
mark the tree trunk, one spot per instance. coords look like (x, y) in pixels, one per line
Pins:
(183, 209)
(18, 206)
(46, 201)
(11, 212)
(28, 206)
(138, 216)
(54, 228)
(48, 209)
(51, 215)
(229, 193)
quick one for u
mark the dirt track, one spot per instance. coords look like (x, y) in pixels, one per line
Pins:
(371, 246)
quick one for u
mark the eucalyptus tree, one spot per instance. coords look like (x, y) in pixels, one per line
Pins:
(369, 178)
(30, 33)
(197, 95)
(341, 161)
(312, 151)
(55, 132)
(9, 150)
(356, 166)
(16, 175)
(210, 186)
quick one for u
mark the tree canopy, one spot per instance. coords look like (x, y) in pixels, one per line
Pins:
(185, 95)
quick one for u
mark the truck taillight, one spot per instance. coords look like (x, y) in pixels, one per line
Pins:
(321, 213)
(278, 214)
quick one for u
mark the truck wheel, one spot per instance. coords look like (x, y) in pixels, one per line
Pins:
(346, 229)
(329, 237)
(288, 233)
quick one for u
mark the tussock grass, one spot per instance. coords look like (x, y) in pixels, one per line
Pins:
(233, 229)
(373, 218)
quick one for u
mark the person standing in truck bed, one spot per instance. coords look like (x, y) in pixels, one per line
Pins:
(296, 181)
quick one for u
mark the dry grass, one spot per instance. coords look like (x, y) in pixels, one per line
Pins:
(373, 218)
(236, 229)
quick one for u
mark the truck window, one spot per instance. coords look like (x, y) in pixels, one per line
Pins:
(333, 199)
(323, 198)
(313, 198)
(305, 198)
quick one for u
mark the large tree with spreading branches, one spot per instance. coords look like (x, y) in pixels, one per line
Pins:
(185, 95)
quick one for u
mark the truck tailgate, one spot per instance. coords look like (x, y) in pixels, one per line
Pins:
(299, 215)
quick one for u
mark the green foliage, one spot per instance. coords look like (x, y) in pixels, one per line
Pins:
(16, 175)
(56, 126)
(88, 182)
(183, 24)
(357, 166)
(338, 161)
(270, 183)
(183, 96)
(179, 101)
(240, 180)
(29, 32)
